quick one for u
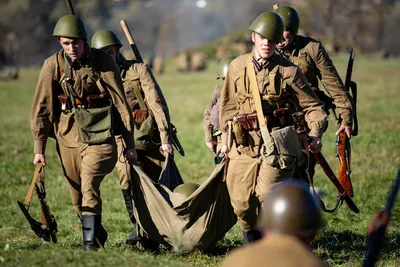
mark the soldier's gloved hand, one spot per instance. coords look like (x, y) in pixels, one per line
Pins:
(211, 145)
(315, 145)
(167, 148)
(224, 151)
(131, 155)
(346, 129)
(39, 158)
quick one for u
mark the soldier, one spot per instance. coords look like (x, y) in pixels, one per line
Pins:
(182, 62)
(211, 127)
(151, 116)
(260, 92)
(315, 63)
(158, 65)
(80, 101)
(198, 61)
(290, 221)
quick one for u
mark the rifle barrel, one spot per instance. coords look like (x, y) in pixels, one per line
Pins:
(70, 7)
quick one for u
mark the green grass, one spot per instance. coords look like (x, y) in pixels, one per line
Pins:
(375, 157)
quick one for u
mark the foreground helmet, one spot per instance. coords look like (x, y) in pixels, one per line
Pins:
(290, 17)
(223, 66)
(70, 26)
(269, 25)
(186, 189)
(290, 208)
(104, 38)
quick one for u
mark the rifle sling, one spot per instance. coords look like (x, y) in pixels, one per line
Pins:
(139, 97)
(38, 170)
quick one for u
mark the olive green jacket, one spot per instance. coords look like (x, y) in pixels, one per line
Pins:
(235, 99)
(46, 117)
(136, 74)
(315, 63)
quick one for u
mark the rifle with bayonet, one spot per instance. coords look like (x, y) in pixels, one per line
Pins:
(378, 225)
(47, 227)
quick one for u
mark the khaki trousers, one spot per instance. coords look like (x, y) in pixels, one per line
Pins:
(248, 180)
(152, 162)
(84, 169)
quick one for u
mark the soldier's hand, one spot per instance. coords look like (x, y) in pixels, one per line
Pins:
(167, 148)
(315, 145)
(39, 158)
(211, 145)
(131, 155)
(346, 129)
(224, 151)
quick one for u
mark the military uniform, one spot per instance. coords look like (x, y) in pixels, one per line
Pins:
(198, 61)
(84, 165)
(276, 250)
(315, 63)
(138, 78)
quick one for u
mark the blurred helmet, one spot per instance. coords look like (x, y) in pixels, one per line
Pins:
(186, 189)
(269, 25)
(290, 17)
(104, 38)
(70, 26)
(223, 66)
(290, 208)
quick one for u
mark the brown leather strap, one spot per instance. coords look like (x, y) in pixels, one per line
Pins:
(38, 170)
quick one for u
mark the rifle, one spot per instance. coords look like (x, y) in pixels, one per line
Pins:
(175, 140)
(378, 225)
(351, 86)
(131, 41)
(70, 7)
(47, 228)
(343, 152)
(343, 195)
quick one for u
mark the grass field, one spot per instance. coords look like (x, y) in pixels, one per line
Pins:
(375, 158)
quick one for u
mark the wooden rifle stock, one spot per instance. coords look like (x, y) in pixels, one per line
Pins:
(331, 175)
(131, 41)
(343, 152)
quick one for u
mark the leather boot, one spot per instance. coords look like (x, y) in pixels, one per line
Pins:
(251, 236)
(133, 238)
(94, 234)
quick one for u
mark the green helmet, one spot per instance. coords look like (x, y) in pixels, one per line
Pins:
(223, 66)
(269, 25)
(186, 189)
(290, 17)
(290, 208)
(70, 26)
(104, 38)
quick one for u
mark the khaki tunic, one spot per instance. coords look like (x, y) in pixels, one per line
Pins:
(249, 178)
(136, 74)
(274, 250)
(209, 128)
(84, 165)
(315, 63)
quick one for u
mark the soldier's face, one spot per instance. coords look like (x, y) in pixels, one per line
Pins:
(73, 47)
(112, 50)
(263, 47)
(288, 38)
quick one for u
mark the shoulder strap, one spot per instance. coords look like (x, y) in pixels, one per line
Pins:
(139, 97)
(262, 121)
(243, 75)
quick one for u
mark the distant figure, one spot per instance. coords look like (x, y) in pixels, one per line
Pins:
(158, 65)
(182, 62)
(198, 61)
(290, 220)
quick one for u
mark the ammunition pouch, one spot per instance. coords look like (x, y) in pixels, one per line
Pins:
(239, 132)
(249, 121)
(284, 149)
(145, 131)
(94, 124)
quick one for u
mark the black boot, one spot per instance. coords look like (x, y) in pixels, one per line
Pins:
(133, 238)
(251, 236)
(94, 234)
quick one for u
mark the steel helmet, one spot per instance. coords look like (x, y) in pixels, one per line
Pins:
(290, 17)
(269, 25)
(104, 38)
(70, 26)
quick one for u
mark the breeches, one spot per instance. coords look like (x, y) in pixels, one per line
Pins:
(84, 169)
(152, 162)
(248, 180)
